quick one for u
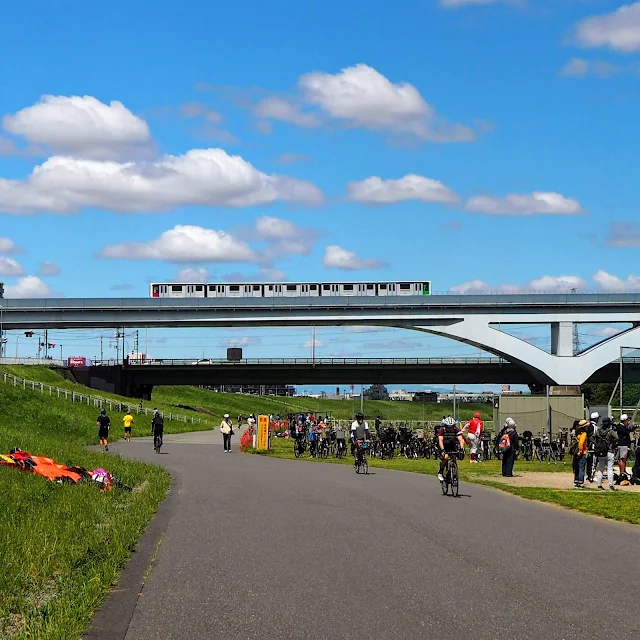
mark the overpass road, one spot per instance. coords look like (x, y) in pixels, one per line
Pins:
(258, 548)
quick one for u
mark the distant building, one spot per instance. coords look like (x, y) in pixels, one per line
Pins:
(285, 390)
(425, 396)
(401, 395)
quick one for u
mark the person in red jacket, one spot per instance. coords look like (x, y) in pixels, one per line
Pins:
(474, 428)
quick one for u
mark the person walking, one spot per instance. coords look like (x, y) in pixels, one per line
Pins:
(624, 430)
(104, 424)
(592, 429)
(578, 449)
(605, 444)
(508, 444)
(227, 431)
(474, 428)
(128, 422)
(157, 430)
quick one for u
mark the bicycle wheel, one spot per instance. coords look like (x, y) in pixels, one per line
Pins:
(365, 467)
(455, 485)
(357, 465)
(296, 450)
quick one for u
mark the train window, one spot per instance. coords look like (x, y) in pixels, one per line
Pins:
(370, 287)
(270, 287)
(326, 287)
(256, 287)
(198, 287)
(212, 287)
(234, 287)
(314, 287)
(292, 287)
(404, 286)
(383, 287)
(176, 287)
(348, 287)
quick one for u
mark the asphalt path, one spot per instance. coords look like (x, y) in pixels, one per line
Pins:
(259, 548)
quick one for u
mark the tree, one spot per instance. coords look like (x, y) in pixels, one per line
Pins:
(376, 392)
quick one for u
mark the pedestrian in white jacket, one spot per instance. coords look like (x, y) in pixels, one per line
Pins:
(227, 431)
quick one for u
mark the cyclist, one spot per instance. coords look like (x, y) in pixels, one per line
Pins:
(359, 434)
(157, 427)
(474, 429)
(449, 439)
(103, 423)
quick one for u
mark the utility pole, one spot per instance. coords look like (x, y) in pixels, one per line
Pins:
(101, 350)
(46, 343)
(454, 402)
(576, 335)
(136, 346)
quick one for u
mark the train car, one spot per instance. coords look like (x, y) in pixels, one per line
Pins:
(289, 289)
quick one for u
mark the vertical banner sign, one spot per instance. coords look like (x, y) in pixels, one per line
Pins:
(262, 441)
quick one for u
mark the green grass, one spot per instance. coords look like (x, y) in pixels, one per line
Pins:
(622, 505)
(63, 546)
(48, 376)
(235, 403)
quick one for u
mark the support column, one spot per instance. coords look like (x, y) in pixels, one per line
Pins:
(562, 339)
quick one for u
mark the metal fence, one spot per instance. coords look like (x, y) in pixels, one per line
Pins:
(413, 425)
(33, 361)
(95, 401)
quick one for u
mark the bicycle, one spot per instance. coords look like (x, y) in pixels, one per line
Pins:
(299, 447)
(451, 478)
(157, 442)
(361, 464)
(341, 449)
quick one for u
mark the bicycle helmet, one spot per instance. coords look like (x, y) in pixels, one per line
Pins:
(103, 411)
(359, 416)
(449, 422)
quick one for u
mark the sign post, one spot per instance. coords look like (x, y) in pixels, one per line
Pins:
(262, 441)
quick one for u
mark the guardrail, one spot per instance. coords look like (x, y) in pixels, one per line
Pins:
(97, 401)
(33, 361)
(306, 361)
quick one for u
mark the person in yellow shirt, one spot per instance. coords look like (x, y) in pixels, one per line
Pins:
(580, 455)
(128, 422)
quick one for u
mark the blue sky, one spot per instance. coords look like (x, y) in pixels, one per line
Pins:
(485, 104)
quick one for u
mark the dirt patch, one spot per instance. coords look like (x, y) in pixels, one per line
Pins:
(555, 480)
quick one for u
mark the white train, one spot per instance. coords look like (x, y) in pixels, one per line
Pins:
(289, 289)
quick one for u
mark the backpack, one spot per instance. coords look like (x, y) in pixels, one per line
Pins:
(574, 447)
(450, 434)
(601, 446)
(505, 443)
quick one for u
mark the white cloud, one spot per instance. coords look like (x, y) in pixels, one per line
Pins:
(7, 245)
(545, 284)
(197, 109)
(207, 177)
(363, 329)
(246, 341)
(581, 68)
(337, 258)
(538, 202)
(186, 243)
(266, 274)
(309, 343)
(363, 97)
(375, 190)
(619, 30)
(606, 332)
(623, 234)
(192, 275)
(48, 268)
(391, 345)
(81, 126)
(30, 287)
(275, 108)
(285, 237)
(9, 267)
(611, 283)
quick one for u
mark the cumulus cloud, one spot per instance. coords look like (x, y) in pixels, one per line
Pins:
(192, 275)
(618, 30)
(609, 282)
(528, 204)
(284, 236)
(186, 243)
(283, 110)
(375, 190)
(246, 341)
(7, 245)
(197, 110)
(361, 96)
(81, 126)
(336, 257)
(623, 234)
(208, 177)
(9, 267)
(30, 287)
(48, 268)
(581, 68)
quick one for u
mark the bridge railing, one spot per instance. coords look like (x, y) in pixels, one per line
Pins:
(96, 401)
(306, 361)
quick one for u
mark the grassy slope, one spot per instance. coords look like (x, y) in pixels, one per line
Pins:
(623, 506)
(48, 376)
(234, 404)
(62, 546)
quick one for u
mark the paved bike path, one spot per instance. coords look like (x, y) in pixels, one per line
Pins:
(266, 548)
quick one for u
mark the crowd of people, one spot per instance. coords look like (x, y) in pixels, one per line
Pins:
(103, 423)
